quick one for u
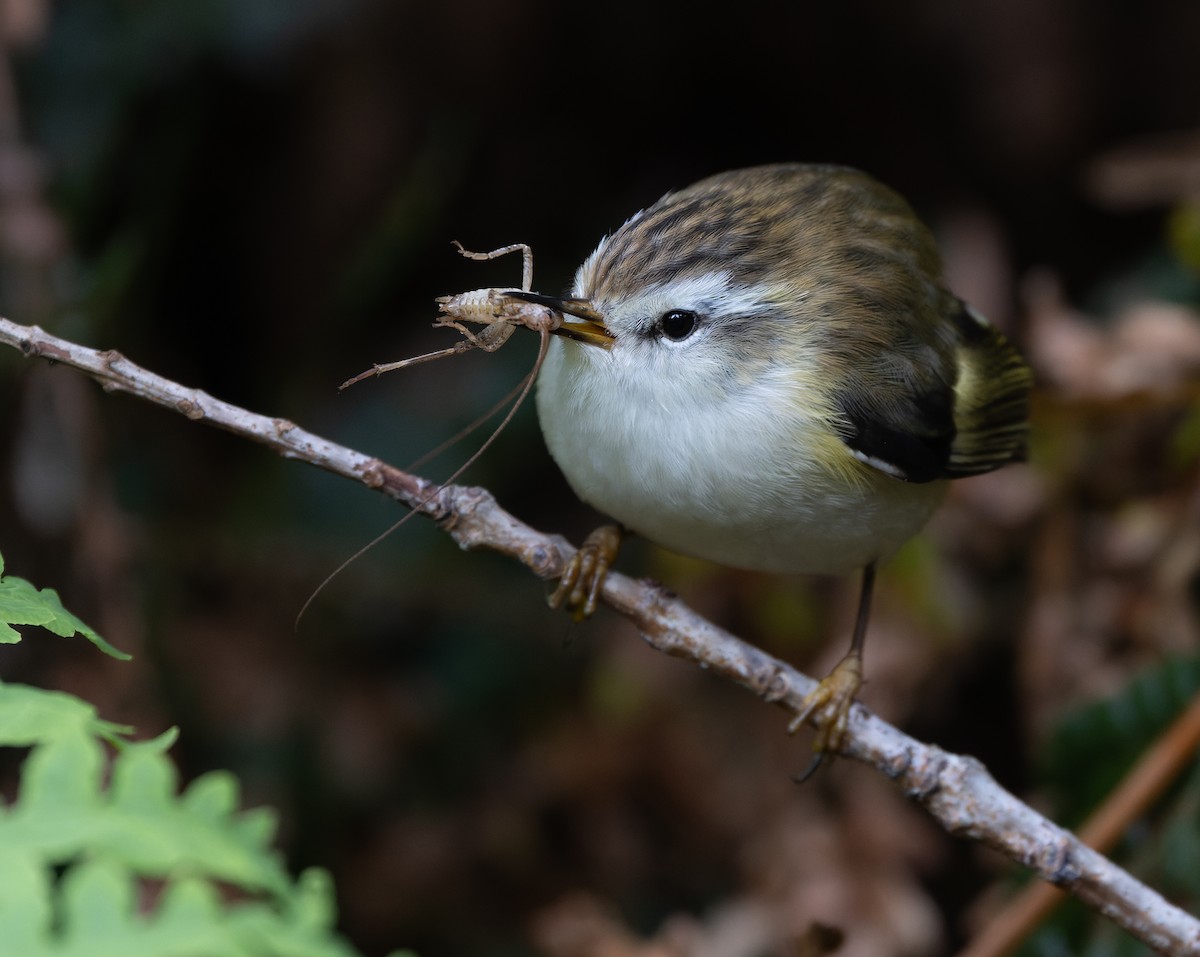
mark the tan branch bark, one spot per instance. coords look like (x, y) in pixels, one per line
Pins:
(957, 790)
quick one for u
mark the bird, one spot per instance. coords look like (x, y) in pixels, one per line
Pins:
(767, 370)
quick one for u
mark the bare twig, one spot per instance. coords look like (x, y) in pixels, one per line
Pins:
(957, 790)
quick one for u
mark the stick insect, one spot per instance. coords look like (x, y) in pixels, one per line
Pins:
(501, 312)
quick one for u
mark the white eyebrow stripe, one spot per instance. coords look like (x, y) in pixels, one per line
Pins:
(693, 289)
(714, 293)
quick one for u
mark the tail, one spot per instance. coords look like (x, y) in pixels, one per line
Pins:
(991, 399)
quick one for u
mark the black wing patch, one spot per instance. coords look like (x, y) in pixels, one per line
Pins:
(909, 437)
(974, 423)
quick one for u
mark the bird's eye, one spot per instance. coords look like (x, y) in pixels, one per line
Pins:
(677, 324)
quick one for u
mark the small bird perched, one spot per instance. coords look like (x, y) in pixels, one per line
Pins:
(765, 370)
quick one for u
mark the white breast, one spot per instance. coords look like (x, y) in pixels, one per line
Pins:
(727, 475)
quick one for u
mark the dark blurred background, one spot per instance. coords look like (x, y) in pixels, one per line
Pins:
(258, 198)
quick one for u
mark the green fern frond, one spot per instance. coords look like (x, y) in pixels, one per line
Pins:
(101, 855)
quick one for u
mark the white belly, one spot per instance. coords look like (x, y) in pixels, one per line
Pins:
(731, 478)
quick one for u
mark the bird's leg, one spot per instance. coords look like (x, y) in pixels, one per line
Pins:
(832, 698)
(584, 575)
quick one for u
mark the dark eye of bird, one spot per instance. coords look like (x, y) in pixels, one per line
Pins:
(677, 324)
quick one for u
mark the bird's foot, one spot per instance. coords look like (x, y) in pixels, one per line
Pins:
(583, 578)
(830, 701)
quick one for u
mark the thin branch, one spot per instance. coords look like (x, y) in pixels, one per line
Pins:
(957, 790)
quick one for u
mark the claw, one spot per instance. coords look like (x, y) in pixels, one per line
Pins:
(583, 578)
(831, 700)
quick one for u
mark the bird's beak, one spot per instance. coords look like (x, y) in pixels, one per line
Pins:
(584, 322)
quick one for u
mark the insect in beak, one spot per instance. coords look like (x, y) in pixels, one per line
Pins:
(588, 325)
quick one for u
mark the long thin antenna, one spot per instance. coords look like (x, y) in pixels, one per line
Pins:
(523, 391)
(466, 430)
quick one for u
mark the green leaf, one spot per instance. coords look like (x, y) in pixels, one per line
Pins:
(25, 908)
(29, 716)
(23, 604)
(213, 796)
(98, 899)
(58, 811)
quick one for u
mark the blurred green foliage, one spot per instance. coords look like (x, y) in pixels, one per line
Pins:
(1095, 745)
(87, 831)
(1184, 234)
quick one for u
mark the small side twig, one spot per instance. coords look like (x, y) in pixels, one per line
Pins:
(957, 790)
